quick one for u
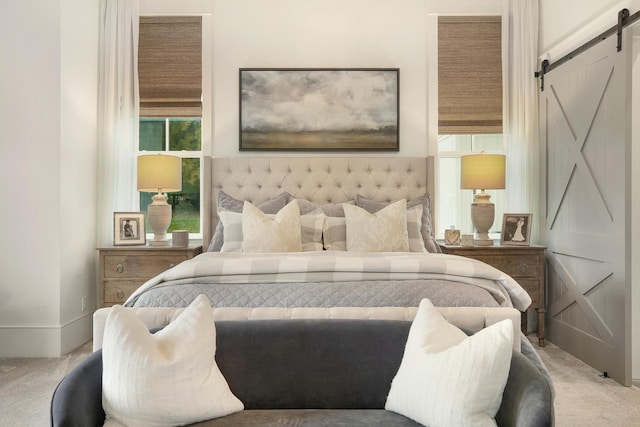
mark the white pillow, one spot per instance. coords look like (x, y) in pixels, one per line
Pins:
(383, 231)
(310, 229)
(334, 233)
(414, 224)
(457, 386)
(262, 234)
(167, 378)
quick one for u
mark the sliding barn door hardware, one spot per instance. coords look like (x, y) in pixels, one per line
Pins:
(624, 19)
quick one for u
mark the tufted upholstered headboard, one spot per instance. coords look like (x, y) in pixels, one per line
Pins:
(318, 179)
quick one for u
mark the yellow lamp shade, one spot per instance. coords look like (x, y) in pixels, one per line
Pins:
(482, 171)
(159, 173)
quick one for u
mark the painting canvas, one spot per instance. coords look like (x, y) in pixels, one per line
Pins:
(319, 109)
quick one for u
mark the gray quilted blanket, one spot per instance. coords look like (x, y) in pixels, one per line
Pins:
(331, 278)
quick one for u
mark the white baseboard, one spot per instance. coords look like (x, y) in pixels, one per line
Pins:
(45, 341)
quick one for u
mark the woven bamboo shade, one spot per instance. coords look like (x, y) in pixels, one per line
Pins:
(469, 75)
(170, 66)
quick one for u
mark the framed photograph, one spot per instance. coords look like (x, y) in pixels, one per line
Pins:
(320, 109)
(128, 229)
(516, 229)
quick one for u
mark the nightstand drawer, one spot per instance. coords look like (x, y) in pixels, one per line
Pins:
(533, 289)
(117, 266)
(117, 292)
(514, 266)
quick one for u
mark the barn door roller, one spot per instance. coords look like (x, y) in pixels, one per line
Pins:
(624, 19)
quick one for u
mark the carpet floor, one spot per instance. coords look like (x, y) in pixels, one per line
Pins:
(583, 397)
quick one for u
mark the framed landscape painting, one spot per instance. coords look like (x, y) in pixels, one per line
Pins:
(319, 109)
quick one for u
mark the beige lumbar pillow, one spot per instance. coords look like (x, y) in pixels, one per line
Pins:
(265, 235)
(448, 379)
(383, 231)
(167, 378)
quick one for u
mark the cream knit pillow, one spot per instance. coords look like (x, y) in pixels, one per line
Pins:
(446, 379)
(167, 378)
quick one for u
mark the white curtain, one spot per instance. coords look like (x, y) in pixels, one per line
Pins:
(118, 112)
(520, 114)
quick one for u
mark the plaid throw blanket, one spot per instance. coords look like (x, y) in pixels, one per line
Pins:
(339, 266)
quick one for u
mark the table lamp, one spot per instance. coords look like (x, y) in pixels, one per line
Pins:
(159, 173)
(483, 172)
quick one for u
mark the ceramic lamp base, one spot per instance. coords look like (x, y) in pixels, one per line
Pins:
(159, 219)
(482, 215)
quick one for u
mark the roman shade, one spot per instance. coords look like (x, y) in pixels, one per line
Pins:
(469, 75)
(170, 66)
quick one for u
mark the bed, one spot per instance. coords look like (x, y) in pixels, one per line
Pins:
(324, 280)
(322, 273)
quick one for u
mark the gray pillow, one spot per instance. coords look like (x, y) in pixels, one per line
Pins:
(329, 209)
(226, 202)
(373, 206)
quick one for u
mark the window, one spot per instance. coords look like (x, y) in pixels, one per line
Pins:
(179, 137)
(170, 80)
(469, 111)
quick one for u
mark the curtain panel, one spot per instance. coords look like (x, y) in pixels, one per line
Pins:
(118, 113)
(520, 114)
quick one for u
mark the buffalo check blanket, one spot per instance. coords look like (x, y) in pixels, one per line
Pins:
(338, 266)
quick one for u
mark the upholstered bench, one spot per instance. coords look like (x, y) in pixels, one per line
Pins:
(311, 372)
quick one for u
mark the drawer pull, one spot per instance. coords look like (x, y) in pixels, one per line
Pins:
(119, 268)
(120, 294)
(523, 268)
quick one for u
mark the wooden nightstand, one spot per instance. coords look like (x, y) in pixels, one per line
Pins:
(124, 268)
(524, 263)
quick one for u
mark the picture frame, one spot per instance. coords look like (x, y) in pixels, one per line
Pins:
(516, 229)
(319, 109)
(129, 229)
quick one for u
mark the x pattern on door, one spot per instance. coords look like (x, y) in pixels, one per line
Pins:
(579, 265)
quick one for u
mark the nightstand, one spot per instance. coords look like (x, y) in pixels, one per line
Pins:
(124, 268)
(524, 263)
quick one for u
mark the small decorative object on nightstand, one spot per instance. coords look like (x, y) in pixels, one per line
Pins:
(124, 269)
(452, 236)
(524, 263)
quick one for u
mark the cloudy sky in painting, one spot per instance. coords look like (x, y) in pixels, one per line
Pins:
(299, 100)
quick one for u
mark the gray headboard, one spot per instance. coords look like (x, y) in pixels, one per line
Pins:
(319, 179)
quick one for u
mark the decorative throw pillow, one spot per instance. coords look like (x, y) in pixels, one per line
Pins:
(461, 385)
(311, 225)
(383, 231)
(414, 222)
(167, 378)
(334, 233)
(228, 203)
(265, 235)
(430, 243)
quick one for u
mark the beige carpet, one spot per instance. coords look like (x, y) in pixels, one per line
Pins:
(583, 398)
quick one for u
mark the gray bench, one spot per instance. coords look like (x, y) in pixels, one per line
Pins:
(324, 372)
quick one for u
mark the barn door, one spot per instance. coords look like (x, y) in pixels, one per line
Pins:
(585, 131)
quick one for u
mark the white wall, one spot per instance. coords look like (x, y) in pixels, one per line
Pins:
(564, 26)
(47, 158)
(320, 33)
